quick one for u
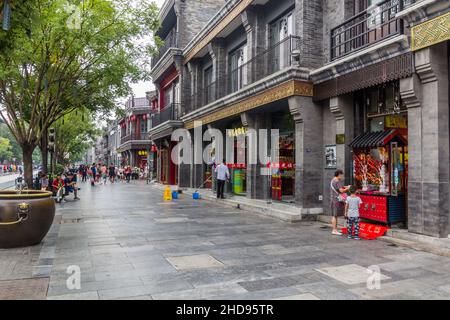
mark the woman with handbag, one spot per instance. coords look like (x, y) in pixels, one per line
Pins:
(338, 196)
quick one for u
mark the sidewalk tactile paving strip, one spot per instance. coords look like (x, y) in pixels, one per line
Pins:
(24, 289)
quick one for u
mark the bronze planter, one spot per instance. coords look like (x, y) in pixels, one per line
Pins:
(25, 217)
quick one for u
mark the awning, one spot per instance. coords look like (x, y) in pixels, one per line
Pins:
(377, 139)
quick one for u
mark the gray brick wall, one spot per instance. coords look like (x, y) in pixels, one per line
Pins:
(308, 20)
(193, 16)
(335, 12)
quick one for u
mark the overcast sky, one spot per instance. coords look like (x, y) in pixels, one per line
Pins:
(140, 88)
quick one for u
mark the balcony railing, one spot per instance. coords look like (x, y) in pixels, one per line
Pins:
(376, 23)
(134, 136)
(171, 41)
(278, 57)
(168, 113)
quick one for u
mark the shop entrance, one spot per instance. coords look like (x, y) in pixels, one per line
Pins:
(283, 172)
(164, 165)
(380, 153)
(238, 169)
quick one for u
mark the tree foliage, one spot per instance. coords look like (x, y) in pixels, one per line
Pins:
(61, 55)
(5, 150)
(15, 147)
(75, 133)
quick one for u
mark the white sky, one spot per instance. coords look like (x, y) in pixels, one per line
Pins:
(140, 88)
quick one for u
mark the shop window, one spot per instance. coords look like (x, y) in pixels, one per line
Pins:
(167, 96)
(238, 67)
(143, 126)
(280, 53)
(208, 84)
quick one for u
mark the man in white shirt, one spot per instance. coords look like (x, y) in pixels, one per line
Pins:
(222, 175)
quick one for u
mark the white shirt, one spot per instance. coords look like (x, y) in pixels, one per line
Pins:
(222, 172)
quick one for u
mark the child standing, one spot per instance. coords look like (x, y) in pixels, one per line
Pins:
(352, 213)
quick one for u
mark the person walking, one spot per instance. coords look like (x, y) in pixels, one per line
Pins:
(93, 174)
(337, 199)
(84, 173)
(352, 204)
(112, 173)
(223, 174)
(128, 173)
(104, 171)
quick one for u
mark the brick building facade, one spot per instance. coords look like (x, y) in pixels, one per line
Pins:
(359, 85)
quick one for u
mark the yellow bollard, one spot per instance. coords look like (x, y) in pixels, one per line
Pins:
(167, 194)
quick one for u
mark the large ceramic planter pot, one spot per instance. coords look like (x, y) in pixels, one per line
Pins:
(25, 217)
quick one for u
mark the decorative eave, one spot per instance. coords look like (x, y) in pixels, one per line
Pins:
(164, 129)
(280, 85)
(383, 50)
(134, 144)
(165, 8)
(423, 11)
(151, 95)
(173, 56)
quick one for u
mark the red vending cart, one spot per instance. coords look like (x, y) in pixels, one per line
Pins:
(379, 172)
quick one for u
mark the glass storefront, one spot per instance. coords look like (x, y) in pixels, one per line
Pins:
(283, 172)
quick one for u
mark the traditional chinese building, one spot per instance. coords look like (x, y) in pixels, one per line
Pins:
(357, 85)
(134, 147)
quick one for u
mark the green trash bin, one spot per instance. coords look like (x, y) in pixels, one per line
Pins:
(238, 177)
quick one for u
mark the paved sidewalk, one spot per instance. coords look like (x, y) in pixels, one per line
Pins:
(129, 244)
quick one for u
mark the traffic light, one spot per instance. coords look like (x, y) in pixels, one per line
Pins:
(51, 139)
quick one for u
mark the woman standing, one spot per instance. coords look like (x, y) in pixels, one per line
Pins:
(337, 188)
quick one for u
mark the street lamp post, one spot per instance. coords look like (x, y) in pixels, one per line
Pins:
(51, 148)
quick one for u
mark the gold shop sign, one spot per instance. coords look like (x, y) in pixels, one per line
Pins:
(395, 121)
(237, 132)
(282, 91)
(430, 32)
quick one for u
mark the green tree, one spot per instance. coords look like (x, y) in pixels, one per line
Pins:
(15, 147)
(61, 55)
(75, 133)
(5, 149)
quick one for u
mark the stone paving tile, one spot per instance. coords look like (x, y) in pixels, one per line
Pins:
(60, 287)
(349, 274)
(194, 262)
(410, 287)
(92, 295)
(328, 291)
(149, 288)
(258, 295)
(202, 292)
(124, 247)
(24, 289)
(303, 296)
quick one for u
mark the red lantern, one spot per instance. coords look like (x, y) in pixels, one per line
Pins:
(154, 149)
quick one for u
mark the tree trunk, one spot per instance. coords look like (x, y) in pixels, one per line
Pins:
(27, 152)
(44, 152)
